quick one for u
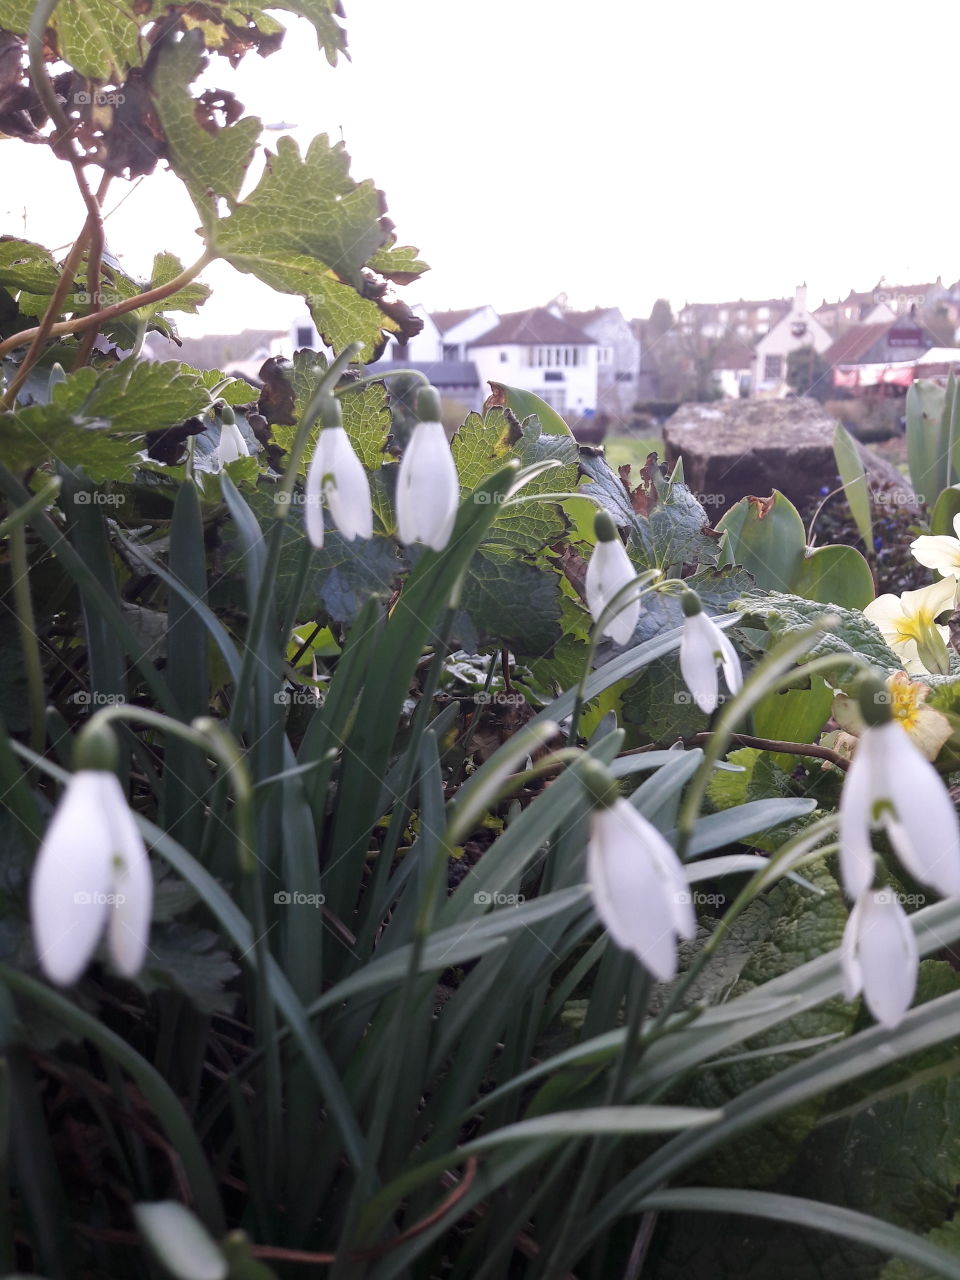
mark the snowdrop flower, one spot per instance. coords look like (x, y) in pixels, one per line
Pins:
(92, 872)
(879, 956)
(428, 487)
(608, 573)
(637, 882)
(337, 474)
(891, 785)
(232, 444)
(940, 552)
(702, 646)
(907, 624)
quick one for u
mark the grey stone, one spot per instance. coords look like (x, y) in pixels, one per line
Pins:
(733, 448)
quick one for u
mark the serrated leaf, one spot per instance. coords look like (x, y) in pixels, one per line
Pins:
(210, 164)
(40, 432)
(134, 396)
(672, 535)
(100, 39)
(27, 266)
(398, 263)
(166, 267)
(191, 961)
(946, 1236)
(511, 601)
(331, 37)
(235, 392)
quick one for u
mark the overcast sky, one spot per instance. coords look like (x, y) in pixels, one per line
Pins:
(615, 150)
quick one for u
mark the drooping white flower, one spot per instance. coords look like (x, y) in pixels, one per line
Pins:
(879, 956)
(92, 873)
(608, 573)
(891, 785)
(232, 444)
(638, 887)
(940, 551)
(907, 623)
(702, 647)
(428, 488)
(337, 474)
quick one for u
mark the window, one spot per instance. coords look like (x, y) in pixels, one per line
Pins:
(605, 355)
(763, 313)
(772, 367)
(553, 375)
(451, 351)
(304, 336)
(555, 397)
(623, 377)
(504, 357)
(724, 315)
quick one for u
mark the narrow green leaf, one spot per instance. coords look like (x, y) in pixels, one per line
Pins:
(854, 477)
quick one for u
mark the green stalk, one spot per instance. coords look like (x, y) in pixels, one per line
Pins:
(26, 625)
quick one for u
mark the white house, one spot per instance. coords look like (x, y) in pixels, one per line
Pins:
(459, 328)
(540, 352)
(618, 359)
(799, 328)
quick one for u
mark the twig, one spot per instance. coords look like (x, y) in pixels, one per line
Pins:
(762, 744)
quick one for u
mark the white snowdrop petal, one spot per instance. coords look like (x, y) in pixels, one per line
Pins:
(428, 488)
(608, 572)
(856, 799)
(732, 671)
(849, 956)
(924, 829)
(888, 957)
(698, 664)
(129, 915)
(348, 493)
(232, 444)
(313, 496)
(71, 880)
(628, 892)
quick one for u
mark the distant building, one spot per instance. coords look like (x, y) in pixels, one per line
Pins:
(744, 319)
(239, 353)
(454, 379)
(457, 329)
(618, 359)
(794, 331)
(543, 353)
(888, 342)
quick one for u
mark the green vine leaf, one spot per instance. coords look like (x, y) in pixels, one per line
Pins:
(331, 37)
(27, 266)
(100, 39)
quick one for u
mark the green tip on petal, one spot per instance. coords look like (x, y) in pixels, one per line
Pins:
(604, 528)
(873, 698)
(226, 413)
(96, 748)
(601, 788)
(331, 415)
(428, 404)
(690, 604)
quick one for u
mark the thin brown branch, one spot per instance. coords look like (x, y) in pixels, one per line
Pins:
(762, 744)
(95, 247)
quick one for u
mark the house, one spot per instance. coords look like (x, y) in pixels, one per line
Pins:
(618, 358)
(887, 342)
(241, 353)
(458, 328)
(732, 366)
(795, 331)
(456, 380)
(744, 318)
(543, 353)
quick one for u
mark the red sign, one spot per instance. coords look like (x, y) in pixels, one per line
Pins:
(912, 337)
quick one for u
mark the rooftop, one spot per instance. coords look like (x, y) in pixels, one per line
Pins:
(535, 327)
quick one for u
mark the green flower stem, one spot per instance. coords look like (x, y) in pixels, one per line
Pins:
(314, 410)
(26, 625)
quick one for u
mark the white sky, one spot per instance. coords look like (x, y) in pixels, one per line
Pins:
(616, 150)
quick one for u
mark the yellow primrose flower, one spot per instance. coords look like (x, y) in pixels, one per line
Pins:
(940, 552)
(928, 728)
(907, 623)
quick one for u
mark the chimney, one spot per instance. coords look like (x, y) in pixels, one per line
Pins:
(800, 301)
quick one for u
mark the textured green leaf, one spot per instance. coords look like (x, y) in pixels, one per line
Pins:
(306, 208)
(40, 432)
(210, 164)
(28, 266)
(190, 961)
(946, 1236)
(779, 931)
(398, 263)
(166, 267)
(366, 415)
(100, 39)
(510, 601)
(672, 535)
(142, 396)
(235, 392)
(784, 615)
(331, 36)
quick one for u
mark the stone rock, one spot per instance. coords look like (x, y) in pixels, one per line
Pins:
(733, 448)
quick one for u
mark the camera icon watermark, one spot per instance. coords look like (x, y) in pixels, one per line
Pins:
(694, 898)
(98, 98)
(487, 499)
(297, 697)
(92, 698)
(94, 498)
(893, 498)
(684, 698)
(294, 898)
(100, 299)
(887, 895)
(485, 898)
(499, 699)
(95, 899)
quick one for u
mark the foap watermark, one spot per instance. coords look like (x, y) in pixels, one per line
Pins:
(694, 898)
(296, 698)
(894, 498)
(294, 898)
(486, 898)
(93, 698)
(87, 898)
(94, 498)
(99, 98)
(99, 299)
(887, 894)
(486, 499)
(711, 499)
(297, 499)
(684, 698)
(499, 699)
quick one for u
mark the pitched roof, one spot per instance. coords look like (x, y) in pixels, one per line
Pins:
(216, 350)
(532, 328)
(445, 320)
(581, 318)
(850, 346)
